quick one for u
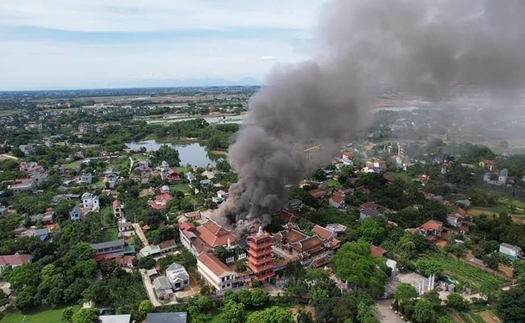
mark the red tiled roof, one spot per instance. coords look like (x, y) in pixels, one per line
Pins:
(167, 244)
(348, 154)
(368, 205)
(164, 197)
(184, 226)
(14, 260)
(432, 225)
(117, 204)
(213, 263)
(317, 193)
(441, 243)
(338, 198)
(290, 235)
(214, 235)
(323, 233)
(377, 251)
(308, 244)
(460, 211)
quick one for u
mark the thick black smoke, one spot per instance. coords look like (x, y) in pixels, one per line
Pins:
(424, 46)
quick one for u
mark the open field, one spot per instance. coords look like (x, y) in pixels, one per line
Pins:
(461, 271)
(401, 176)
(38, 316)
(9, 112)
(477, 211)
(185, 188)
(334, 184)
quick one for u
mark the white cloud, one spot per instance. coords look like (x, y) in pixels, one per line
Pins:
(27, 62)
(158, 15)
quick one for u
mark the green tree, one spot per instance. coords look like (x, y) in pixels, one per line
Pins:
(67, 314)
(456, 302)
(21, 277)
(372, 230)
(223, 166)
(490, 287)
(511, 304)
(145, 307)
(273, 314)
(240, 266)
(86, 315)
(304, 317)
(405, 292)
(258, 297)
(424, 312)
(355, 264)
(25, 299)
(233, 312)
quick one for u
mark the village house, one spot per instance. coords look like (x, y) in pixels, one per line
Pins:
(160, 201)
(124, 261)
(108, 250)
(161, 248)
(294, 245)
(457, 218)
(295, 204)
(125, 229)
(367, 213)
(118, 209)
(216, 273)
(347, 158)
(85, 178)
(11, 261)
(119, 318)
(488, 164)
(337, 201)
(222, 194)
(431, 229)
(28, 149)
(510, 251)
(167, 317)
(189, 216)
(42, 234)
(111, 178)
(162, 287)
(318, 193)
(177, 276)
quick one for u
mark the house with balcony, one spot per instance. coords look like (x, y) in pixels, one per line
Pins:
(216, 273)
(178, 276)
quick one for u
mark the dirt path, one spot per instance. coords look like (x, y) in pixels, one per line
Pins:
(385, 314)
(140, 233)
(489, 317)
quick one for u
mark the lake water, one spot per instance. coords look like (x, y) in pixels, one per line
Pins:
(193, 154)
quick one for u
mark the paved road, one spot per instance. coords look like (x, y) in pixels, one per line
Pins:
(149, 289)
(140, 233)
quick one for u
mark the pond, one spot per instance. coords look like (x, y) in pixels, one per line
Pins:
(193, 153)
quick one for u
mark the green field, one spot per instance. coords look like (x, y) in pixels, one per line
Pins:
(109, 234)
(334, 184)
(9, 112)
(401, 176)
(37, 316)
(185, 188)
(74, 164)
(462, 271)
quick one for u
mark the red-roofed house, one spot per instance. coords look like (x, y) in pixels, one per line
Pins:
(160, 201)
(377, 251)
(11, 261)
(368, 205)
(431, 229)
(337, 201)
(118, 209)
(318, 193)
(424, 178)
(216, 273)
(457, 218)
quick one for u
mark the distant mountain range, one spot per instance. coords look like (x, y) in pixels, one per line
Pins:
(247, 81)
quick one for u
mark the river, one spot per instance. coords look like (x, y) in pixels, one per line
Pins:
(193, 154)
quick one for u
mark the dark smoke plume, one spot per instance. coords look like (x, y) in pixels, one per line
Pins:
(424, 46)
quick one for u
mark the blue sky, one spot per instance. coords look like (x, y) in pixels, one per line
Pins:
(104, 43)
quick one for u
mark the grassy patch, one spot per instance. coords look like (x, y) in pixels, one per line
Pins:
(109, 234)
(334, 184)
(462, 271)
(107, 218)
(185, 188)
(73, 164)
(401, 176)
(490, 210)
(37, 316)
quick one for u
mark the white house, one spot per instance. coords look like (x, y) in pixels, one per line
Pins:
(90, 201)
(503, 176)
(337, 201)
(177, 276)
(510, 250)
(216, 273)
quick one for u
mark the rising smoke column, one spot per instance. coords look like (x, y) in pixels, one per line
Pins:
(422, 45)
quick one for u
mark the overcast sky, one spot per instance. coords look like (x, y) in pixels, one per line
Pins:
(99, 43)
